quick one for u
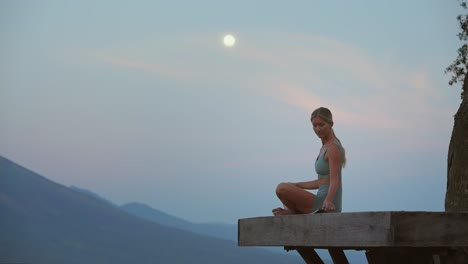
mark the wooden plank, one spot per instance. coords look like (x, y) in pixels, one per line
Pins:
(430, 229)
(357, 230)
(317, 230)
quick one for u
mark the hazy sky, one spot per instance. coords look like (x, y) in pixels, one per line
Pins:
(141, 101)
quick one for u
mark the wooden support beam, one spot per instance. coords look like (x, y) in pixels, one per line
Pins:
(338, 256)
(400, 256)
(309, 255)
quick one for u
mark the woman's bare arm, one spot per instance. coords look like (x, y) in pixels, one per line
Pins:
(334, 161)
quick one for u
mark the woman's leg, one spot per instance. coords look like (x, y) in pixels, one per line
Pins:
(295, 199)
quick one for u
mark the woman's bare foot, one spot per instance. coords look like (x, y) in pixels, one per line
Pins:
(281, 211)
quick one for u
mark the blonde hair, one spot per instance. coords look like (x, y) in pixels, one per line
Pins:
(326, 115)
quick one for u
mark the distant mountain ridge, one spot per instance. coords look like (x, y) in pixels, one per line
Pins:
(45, 222)
(92, 194)
(219, 230)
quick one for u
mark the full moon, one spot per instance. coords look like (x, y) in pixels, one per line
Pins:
(229, 40)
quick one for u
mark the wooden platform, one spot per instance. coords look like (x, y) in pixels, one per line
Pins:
(381, 234)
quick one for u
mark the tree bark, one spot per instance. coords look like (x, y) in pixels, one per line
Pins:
(456, 197)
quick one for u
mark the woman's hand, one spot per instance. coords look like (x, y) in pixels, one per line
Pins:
(328, 206)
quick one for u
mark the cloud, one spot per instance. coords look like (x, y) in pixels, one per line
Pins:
(396, 100)
(363, 90)
(305, 76)
(380, 93)
(138, 65)
(299, 97)
(309, 54)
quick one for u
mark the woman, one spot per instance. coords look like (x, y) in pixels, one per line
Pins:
(331, 159)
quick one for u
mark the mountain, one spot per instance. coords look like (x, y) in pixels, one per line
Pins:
(219, 230)
(224, 231)
(92, 194)
(45, 222)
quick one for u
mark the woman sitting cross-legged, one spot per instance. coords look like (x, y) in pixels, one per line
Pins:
(330, 160)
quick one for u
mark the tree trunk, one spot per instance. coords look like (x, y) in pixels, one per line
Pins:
(456, 198)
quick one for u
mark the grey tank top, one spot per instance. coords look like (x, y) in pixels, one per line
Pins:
(321, 165)
(323, 171)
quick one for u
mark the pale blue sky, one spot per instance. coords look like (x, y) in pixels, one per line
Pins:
(140, 101)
